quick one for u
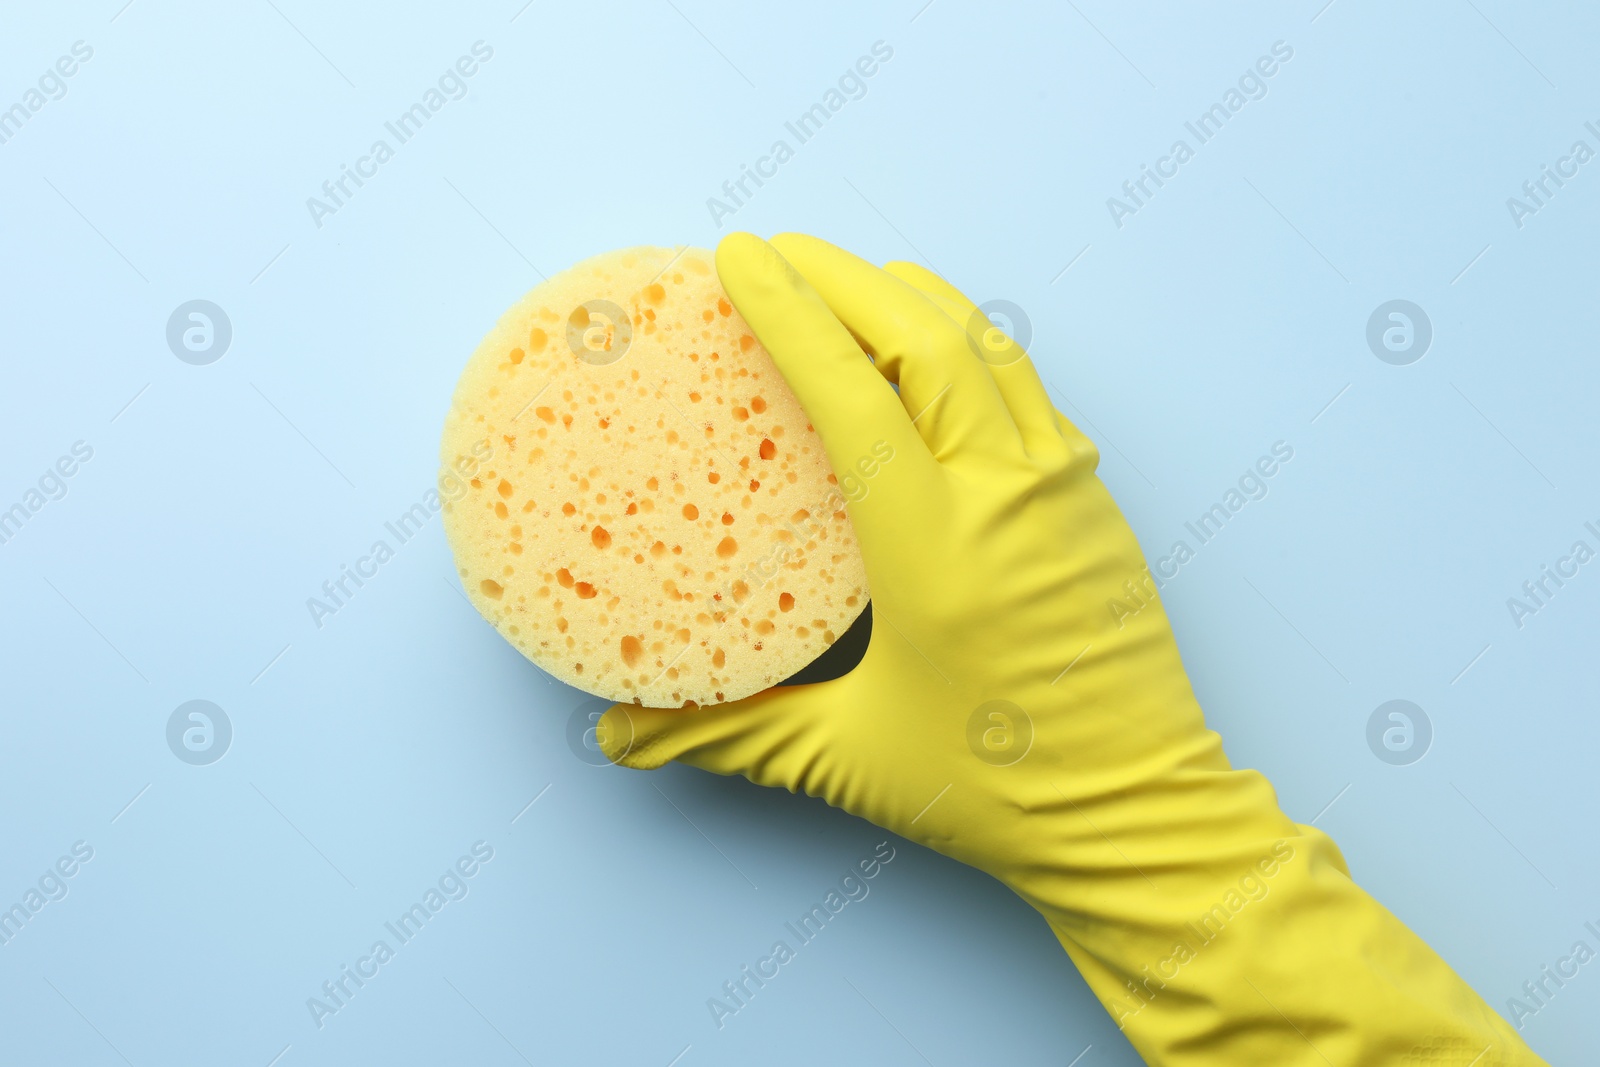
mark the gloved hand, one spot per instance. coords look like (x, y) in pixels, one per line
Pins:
(1003, 716)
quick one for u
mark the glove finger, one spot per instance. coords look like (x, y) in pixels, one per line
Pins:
(1009, 364)
(861, 422)
(770, 738)
(951, 400)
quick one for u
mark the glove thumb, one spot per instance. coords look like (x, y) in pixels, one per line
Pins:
(768, 737)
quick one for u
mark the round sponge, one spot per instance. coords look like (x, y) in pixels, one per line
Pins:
(634, 497)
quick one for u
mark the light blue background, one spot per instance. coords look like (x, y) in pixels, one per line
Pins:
(370, 754)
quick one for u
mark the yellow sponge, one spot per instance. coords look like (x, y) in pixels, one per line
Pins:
(641, 506)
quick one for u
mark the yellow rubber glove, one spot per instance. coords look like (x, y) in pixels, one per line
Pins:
(1002, 716)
